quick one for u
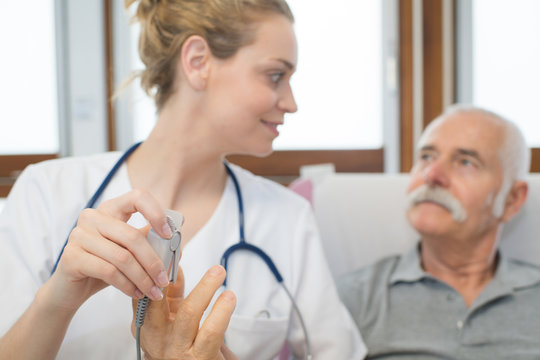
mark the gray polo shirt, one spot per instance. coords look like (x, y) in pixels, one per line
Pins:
(404, 313)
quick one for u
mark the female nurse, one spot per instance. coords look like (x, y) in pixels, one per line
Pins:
(219, 71)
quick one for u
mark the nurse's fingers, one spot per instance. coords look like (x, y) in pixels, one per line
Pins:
(81, 265)
(119, 259)
(124, 246)
(210, 338)
(138, 200)
(136, 243)
(192, 308)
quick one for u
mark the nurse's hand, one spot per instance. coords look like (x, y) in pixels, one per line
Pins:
(104, 250)
(171, 326)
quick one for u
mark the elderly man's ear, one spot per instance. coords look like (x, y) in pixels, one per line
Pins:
(514, 200)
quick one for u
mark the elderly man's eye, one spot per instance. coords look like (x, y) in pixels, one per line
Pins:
(467, 163)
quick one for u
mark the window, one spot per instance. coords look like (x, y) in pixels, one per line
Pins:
(29, 88)
(28, 73)
(503, 61)
(339, 88)
(338, 84)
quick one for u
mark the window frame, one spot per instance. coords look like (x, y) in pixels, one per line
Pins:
(12, 165)
(284, 165)
(463, 8)
(424, 22)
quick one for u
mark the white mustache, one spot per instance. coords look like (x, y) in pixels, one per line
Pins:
(440, 197)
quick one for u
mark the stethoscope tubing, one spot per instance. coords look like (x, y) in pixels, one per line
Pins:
(241, 245)
(98, 193)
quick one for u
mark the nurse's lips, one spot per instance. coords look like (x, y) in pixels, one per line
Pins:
(272, 126)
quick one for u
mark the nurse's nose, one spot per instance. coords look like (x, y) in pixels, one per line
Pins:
(287, 103)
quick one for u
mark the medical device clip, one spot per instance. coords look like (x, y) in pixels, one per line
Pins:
(169, 249)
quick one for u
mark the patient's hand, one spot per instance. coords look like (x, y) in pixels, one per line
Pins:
(171, 326)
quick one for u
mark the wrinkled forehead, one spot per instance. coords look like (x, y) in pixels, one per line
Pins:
(465, 130)
(467, 133)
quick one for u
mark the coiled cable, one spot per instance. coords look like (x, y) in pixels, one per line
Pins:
(142, 306)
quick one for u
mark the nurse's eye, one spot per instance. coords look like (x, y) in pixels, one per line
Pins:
(275, 77)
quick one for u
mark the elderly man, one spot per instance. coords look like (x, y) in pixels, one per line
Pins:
(455, 296)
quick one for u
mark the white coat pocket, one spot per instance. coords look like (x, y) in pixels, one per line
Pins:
(256, 338)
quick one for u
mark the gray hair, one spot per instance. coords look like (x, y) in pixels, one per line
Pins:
(514, 154)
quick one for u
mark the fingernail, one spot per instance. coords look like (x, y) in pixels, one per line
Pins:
(156, 293)
(138, 294)
(163, 278)
(215, 271)
(228, 295)
(166, 230)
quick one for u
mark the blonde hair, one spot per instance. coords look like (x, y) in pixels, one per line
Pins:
(226, 25)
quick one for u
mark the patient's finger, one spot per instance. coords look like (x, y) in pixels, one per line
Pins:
(156, 316)
(227, 353)
(192, 308)
(212, 333)
(175, 293)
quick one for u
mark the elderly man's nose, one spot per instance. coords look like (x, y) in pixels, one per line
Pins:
(436, 174)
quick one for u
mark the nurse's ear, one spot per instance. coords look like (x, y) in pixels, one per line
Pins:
(195, 59)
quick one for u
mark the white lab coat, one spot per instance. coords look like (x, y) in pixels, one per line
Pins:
(43, 207)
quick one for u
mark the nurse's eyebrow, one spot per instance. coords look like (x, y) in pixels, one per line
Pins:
(286, 63)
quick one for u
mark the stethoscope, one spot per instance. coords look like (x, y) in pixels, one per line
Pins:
(241, 245)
